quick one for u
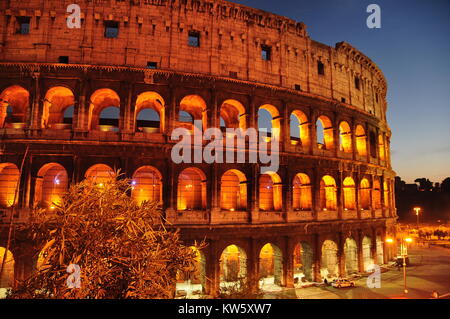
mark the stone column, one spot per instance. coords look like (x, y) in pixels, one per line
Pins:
(317, 258)
(253, 266)
(360, 252)
(288, 263)
(341, 255)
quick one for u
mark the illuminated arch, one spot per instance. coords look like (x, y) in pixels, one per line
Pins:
(376, 196)
(351, 256)
(9, 180)
(380, 250)
(233, 114)
(56, 101)
(361, 140)
(367, 253)
(7, 278)
(270, 192)
(303, 262)
(147, 122)
(51, 184)
(300, 127)
(233, 265)
(349, 194)
(195, 106)
(345, 137)
(301, 192)
(329, 259)
(193, 280)
(99, 101)
(191, 189)
(233, 190)
(328, 197)
(364, 190)
(270, 265)
(381, 147)
(324, 129)
(100, 174)
(146, 185)
(14, 103)
(272, 116)
(386, 194)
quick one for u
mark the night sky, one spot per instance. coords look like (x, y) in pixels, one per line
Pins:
(412, 48)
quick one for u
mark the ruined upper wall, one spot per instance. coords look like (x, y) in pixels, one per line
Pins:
(231, 40)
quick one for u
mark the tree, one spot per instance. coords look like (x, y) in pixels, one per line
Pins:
(424, 184)
(122, 248)
(445, 185)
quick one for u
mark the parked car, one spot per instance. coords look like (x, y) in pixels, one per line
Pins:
(342, 283)
(399, 261)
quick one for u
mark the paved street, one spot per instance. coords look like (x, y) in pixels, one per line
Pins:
(429, 270)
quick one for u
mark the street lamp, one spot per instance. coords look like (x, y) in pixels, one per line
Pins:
(417, 210)
(404, 253)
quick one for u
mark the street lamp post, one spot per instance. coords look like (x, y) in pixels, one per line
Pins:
(417, 210)
(404, 253)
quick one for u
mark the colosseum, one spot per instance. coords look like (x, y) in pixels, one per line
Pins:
(82, 102)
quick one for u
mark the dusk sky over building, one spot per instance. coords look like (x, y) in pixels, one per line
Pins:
(412, 49)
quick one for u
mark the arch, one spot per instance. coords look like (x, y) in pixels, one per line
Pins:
(301, 192)
(349, 194)
(145, 119)
(14, 103)
(376, 196)
(364, 190)
(9, 180)
(233, 266)
(56, 101)
(380, 250)
(329, 260)
(51, 183)
(99, 101)
(195, 106)
(351, 256)
(324, 129)
(269, 119)
(303, 262)
(367, 253)
(328, 193)
(233, 114)
(146, 185)
(299, 126)
(373, 141)
(7, 278)
(386, 196)
(191, 189)
(233, 190)
(192, 281)
(270, 192)
(270, 266)
(381, 147)
(361, 140)
(345, 137)
(100, 174)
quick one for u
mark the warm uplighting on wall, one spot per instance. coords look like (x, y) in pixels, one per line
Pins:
(389, 240)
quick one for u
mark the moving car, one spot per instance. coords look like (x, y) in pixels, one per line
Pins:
(342, 283)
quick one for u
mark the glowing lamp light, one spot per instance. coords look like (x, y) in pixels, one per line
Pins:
(57, 181)
(101, 185)
(408, 240)
(231, 209)
(52, 207)
(133, 183)
(345, 209)
(389, 240)
(324, 209)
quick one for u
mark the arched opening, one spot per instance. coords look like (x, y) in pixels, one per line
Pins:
(386, 194)
(381, 148)
(150, 112)
(367, 253)
(192, 108)
(324, 130)
(373, 144)
(361, 144)
(233, 115)
(104, 110)
(328, 197)
(376, 194)
(146, 185)
(9, 179)
(349, 194)
(301, 192)
(270, 267)
(329, 260)
(351, 256)
(56, 101)
(100, 174)
(345, 138)
(364, 190)
(7, 278)
(303, 263)
(191, 283)
(380, 250)
(299, 128)
(233, 190)
(269, 122)
(51, 184)
(233, 266)
(191, 189)
(270, 195)
(14, 102)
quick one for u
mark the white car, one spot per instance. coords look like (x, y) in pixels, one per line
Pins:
(342, 283)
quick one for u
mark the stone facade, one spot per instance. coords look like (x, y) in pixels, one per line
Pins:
(345, 190)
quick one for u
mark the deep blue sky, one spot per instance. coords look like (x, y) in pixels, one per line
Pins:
(412, 48)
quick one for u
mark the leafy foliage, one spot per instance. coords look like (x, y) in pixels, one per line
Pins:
(121, 247)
